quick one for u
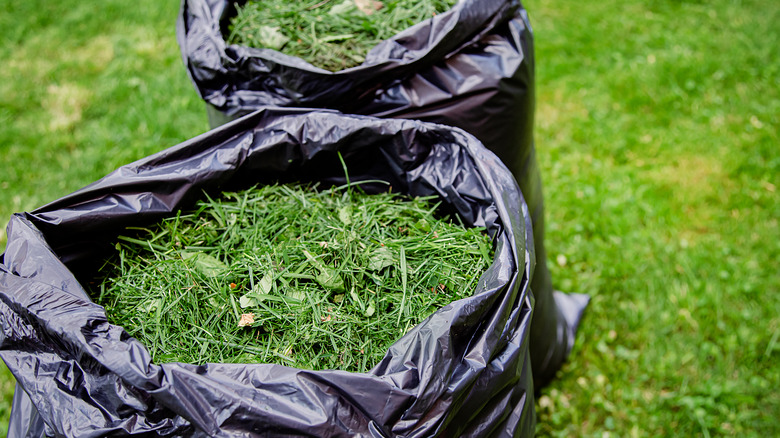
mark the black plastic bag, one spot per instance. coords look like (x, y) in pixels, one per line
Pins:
(464, 371)
(471, 67)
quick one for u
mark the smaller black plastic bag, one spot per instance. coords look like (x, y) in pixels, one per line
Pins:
(464, 371)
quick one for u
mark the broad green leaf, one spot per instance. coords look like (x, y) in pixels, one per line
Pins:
(371, 308)
(247, 301)
(423, 225)
(381, 258)
(330, 279)
(343, 8)
(345, 215)
(151, 305)
(215, 303)
(205, 264)
(295, 294)
(266, 284)
(271, 37)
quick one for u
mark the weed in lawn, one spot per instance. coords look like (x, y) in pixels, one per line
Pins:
(332, 35)
(286, 274)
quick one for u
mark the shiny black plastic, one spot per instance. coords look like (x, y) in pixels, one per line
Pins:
(464, 371)
(471, 67)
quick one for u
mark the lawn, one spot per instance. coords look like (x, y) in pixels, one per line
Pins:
(657, 131)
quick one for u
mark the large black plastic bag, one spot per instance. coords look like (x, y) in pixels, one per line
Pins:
(471, 67)
(465, 371)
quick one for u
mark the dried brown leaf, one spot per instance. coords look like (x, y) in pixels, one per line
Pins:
(246, 319)
(368, 7)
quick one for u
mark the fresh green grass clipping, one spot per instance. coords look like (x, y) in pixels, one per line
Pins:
(332, 35)
(289, 275)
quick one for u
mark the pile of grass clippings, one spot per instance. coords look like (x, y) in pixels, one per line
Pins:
(290, 275)
(332, 35)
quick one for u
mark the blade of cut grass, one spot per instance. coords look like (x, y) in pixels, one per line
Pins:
(403, 283)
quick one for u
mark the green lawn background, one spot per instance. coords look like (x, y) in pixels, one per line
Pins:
(85, 88)
(657, 134)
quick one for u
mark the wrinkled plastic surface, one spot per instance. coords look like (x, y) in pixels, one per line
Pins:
(464, 371)
(471, 67)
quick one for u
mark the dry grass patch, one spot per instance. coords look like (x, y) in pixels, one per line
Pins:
(65, 105)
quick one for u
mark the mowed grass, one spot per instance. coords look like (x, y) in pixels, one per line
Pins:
(657, 132)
